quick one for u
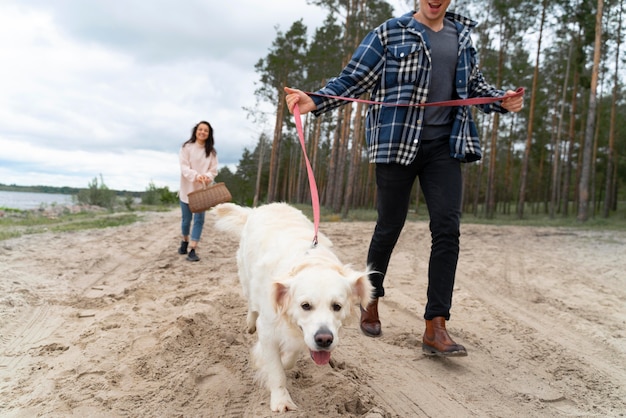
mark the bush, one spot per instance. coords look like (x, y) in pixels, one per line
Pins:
(97, 194)
(158, 196)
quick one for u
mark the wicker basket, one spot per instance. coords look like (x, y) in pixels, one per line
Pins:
(208, 196)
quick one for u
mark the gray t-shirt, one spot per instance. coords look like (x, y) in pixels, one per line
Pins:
(444, 46)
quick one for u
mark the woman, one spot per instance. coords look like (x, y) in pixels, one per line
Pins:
(198, 167)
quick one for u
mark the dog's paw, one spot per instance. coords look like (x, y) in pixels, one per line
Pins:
(280, 401)
(251, 321)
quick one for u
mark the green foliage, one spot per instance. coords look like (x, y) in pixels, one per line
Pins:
(322, 59)
(168, 197)
(158, 196)
(31, 222)
(97, 194)
(128, 202)
(281, 64)
(97, 222)
(39, 189)
(151, 195)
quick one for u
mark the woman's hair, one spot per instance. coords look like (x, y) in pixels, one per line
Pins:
(209, 145)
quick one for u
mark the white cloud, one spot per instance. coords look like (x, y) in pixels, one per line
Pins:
(113, 87)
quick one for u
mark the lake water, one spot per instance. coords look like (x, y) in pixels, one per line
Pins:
(27, 200)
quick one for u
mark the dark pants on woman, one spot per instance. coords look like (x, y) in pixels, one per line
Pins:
(441, 182)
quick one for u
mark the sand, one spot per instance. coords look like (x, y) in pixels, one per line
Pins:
(114, 323)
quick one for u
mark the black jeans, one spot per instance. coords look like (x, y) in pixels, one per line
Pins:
(441, 182)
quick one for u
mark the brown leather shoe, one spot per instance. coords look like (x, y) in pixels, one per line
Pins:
(370, 324)
(437, 342)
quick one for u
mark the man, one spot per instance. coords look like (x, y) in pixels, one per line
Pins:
(420, 57)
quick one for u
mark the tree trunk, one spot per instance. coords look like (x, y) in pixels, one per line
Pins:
(508, 173)
(565, 198)
(274, 159)
(556, 158)
(342, 156)
(259, 171)
(594, 156)
(314, 151)
(583, 186)
(531, 113)
(610, 157)
(332, 166)
(355, 161)
(491, 176)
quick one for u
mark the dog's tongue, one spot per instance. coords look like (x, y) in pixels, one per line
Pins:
(320, 357)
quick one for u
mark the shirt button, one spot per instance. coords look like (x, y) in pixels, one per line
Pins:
(419, 122)
(401, 54)
(415, 141)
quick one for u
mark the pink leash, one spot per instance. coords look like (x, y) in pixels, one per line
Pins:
(458, 102)
(315, 200)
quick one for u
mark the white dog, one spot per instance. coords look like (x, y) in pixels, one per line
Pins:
(299, 295)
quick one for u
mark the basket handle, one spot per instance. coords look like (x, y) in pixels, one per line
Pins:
(204, 184)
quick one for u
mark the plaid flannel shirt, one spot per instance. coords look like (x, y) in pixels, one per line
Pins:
(393, 63)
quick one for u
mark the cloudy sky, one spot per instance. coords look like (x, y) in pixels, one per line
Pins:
(113, 87)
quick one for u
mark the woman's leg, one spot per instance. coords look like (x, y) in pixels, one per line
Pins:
(185, 226)
(196, 232)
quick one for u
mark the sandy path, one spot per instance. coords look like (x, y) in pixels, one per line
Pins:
(114, 323)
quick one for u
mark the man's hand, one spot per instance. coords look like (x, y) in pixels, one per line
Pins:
(305, 103)
(513, 104)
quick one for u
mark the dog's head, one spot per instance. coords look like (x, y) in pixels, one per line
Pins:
(318, 300)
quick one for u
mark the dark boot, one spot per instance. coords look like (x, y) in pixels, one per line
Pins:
(183, 247)
(370, 324)
(192, 255)
(437, 342)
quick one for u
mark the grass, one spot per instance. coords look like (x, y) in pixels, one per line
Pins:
(616, 221)
(16, 223)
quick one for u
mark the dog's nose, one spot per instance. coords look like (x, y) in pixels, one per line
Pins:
(323, 338)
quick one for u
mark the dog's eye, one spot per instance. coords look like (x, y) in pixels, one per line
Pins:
(336, 307)
(306, 306)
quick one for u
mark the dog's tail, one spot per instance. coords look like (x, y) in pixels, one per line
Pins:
(230, 217)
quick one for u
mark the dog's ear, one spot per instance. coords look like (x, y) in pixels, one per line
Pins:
(280, 297)
(362, 288)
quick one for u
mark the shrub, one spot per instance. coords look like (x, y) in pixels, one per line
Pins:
(97, 194)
